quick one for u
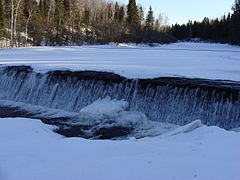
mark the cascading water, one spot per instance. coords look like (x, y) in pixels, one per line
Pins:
(172, 100)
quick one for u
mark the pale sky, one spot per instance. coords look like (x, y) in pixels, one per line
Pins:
(181, 11)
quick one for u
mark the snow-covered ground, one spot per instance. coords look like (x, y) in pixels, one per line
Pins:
(30, 150)
(202, 60)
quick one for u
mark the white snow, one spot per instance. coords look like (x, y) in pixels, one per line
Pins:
(30, 150)
(201, 60)
(108, 109)
(103, 109)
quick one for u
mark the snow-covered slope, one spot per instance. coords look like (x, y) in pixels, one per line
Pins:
(202, 60)
(29, 150)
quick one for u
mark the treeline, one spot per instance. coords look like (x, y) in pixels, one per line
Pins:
(74, 22)
(224, 30)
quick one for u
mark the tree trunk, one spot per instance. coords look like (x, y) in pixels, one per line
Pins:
(15, 19)
(12, 21)
(26, 27)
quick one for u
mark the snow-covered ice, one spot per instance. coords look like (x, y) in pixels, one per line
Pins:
(114, 110)
(30, 150)
(103, 109)
(201, 60)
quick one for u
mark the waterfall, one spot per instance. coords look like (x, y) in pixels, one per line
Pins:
(172, 100)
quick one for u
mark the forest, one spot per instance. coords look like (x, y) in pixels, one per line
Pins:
(224, 30)
(77, 22)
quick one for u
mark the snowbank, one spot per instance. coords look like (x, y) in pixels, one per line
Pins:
(30, 150)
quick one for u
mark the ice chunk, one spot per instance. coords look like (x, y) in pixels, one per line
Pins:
(103, 109)
(187, 128)
(134, 119)
(236, 129)
(114, 110)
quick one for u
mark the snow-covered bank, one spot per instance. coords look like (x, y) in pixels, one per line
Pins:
(201, 60)
(30, 150)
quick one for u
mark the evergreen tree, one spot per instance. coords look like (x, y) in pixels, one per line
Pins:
(59, 17)
(121, 14)
(86, 16)
(59, 12)
(2, 20)
(133, 14)
(110, 14)
(38, 30)
(28, 10)
(59, 22)
(66, 4)
(236, 7)
(116, 11)
(235, 23)
(150, 19)
(157, 25)
(42, 8)
(141, 14)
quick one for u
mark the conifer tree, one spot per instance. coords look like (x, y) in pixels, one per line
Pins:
(110, 14)
(116, 11)
(141, 14)
(38, 31)
(236, 7)
(121, 14)
(157, 25)
(86, 16)
(59, 12)
(133, 14)
(235, 23)
(66, 4)
(59, 17)
(150, 19)
(58, 22)
(28, 11)
(42, 8)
